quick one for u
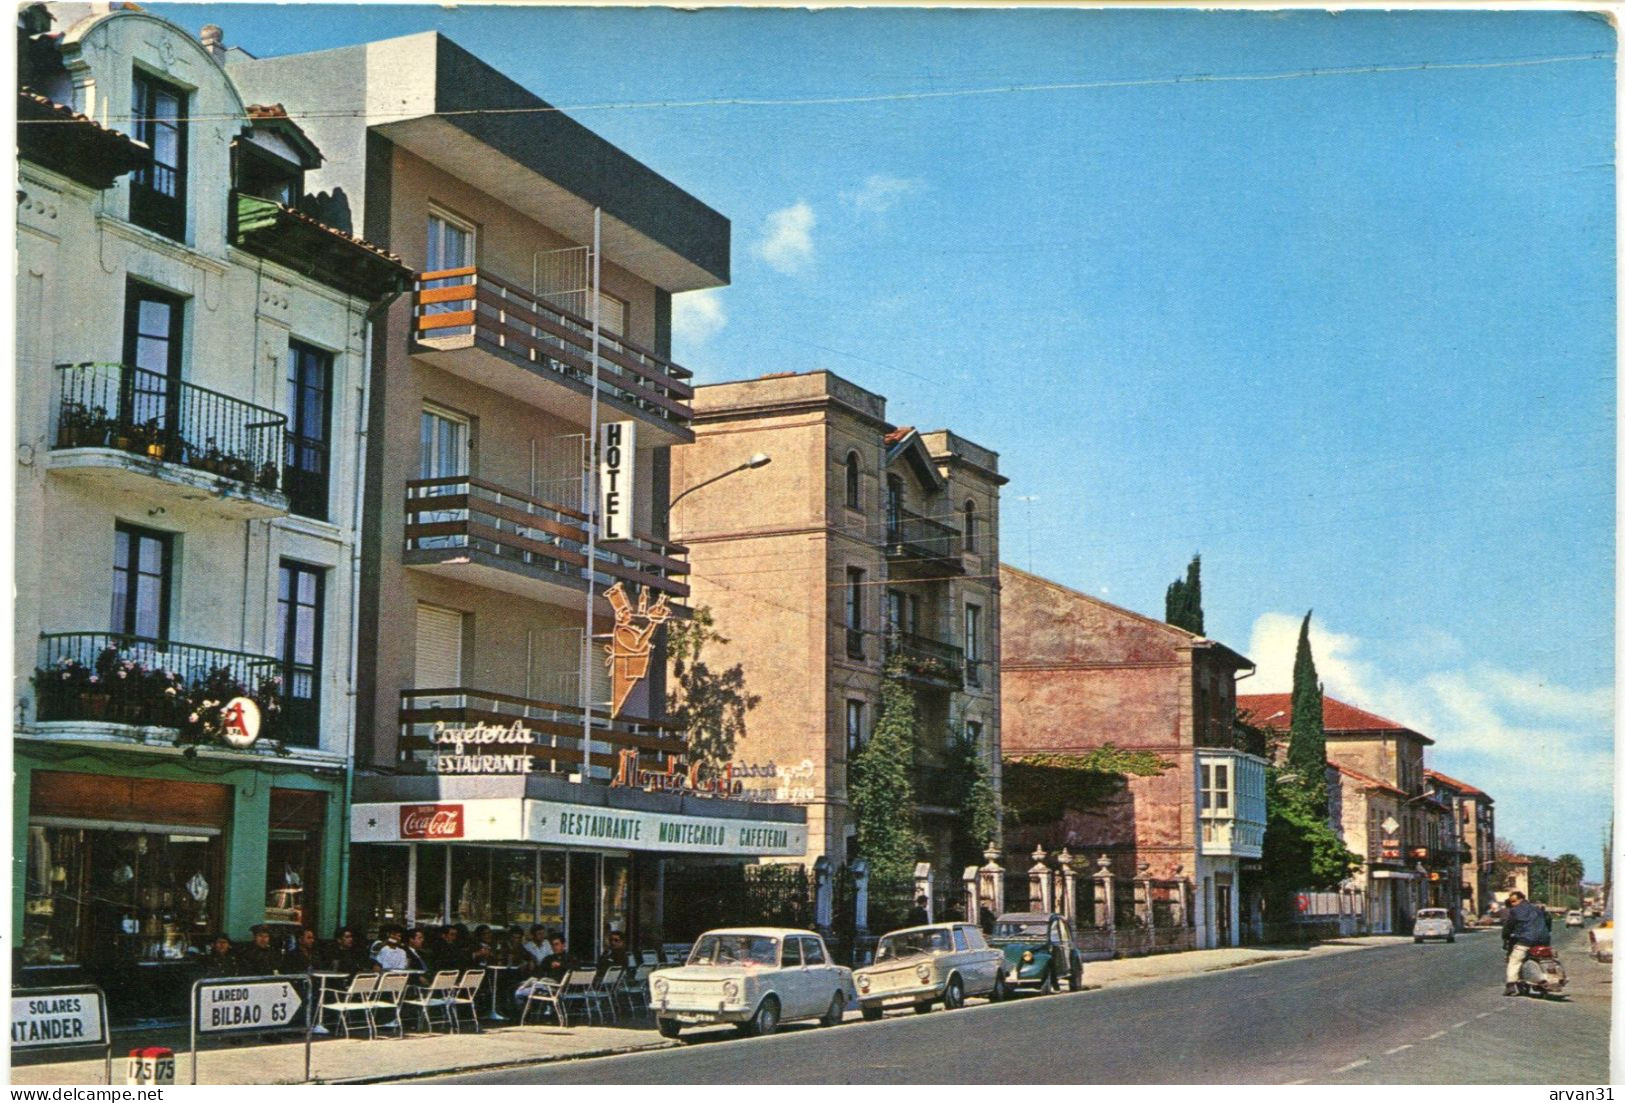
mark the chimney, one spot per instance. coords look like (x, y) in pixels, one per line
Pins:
(213, 39)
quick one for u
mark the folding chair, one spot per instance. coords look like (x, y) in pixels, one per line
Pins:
(579, 986)
(544, 991)
(391, 990)
(437, 994)
(635, 986)
(353, 998)
(607, 988)
(464, 995)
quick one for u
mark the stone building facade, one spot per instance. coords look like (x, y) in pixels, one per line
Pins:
(1079, 674)
(1474, 812)
(859, 543)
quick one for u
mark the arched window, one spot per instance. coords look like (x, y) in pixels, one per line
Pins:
(970, 525)
(854, 499)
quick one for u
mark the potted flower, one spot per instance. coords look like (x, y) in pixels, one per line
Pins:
(268, 476)
(156, 439)
(212, 456)
(240, 468)
(57, 689)
(82, 426)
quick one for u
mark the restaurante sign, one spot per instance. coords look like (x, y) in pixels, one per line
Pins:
(458, 761)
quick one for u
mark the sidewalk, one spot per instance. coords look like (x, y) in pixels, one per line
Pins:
(358, 1060)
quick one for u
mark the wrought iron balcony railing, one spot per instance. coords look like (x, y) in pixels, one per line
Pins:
(120, 679)
(925, 659)
(910, 536)
(150, 415)
(470, 302)
(459, 511)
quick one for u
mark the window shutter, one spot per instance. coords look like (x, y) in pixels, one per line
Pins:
(439, 662)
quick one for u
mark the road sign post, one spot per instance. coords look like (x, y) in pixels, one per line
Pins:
(248, 1005)
(71, 1017)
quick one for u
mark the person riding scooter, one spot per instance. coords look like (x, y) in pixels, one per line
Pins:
(1523, 926)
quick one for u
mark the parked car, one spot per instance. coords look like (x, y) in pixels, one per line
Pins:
(943, 962)
(1601, 938)
(1433, 923)
(1039, 951)
(755, 978)
(1575, 918)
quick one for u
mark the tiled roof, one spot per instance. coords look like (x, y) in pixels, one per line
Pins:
(1364, 779)
(61, 112)
(898, 434)
(1460, 786)
(1274, 710)
(267, 111)
(336, 232)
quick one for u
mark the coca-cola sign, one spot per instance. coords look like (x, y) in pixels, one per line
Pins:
(431, 821)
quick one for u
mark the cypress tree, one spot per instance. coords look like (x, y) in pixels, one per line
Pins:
(1306, 753)
(1183, 604)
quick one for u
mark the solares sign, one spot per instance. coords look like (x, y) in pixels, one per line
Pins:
(61, 1018)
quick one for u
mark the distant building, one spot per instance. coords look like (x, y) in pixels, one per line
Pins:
(1475, 813)
(1080, 673)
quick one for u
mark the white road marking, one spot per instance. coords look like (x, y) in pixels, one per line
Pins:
(1458, 1026)
(1437, 1034)
(1482, 1015)
(1291, 1082)
(1396, 1049)
(1351, 1065)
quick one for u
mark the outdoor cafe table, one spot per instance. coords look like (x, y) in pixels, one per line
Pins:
(495, 981)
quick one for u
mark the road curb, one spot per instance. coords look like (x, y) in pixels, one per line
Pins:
(494, 1066)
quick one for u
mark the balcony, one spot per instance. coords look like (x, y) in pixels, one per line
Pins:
(103, 678)
(934, 789)
(1232, 810)
(143, 433)
(554, 728)
(924, 661)
(465, 528)
(474, 325)
(925, 544)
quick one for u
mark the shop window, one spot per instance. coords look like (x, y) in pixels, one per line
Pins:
(617, 908)
(430, 906)
(550, 908)
(378, 886)
(493, 885)
(293, 856)
(141, 582)
(158, 189)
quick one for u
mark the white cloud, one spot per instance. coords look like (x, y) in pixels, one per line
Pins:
(879, 193)
(697, 316)
(787, 243)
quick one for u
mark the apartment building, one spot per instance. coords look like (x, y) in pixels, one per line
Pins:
(1473, 811)
(1399, 833)
(491, 564)
(861, 543)
(191, 354)
(1079, 673)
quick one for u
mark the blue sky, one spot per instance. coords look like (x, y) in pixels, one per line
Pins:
(1345, 327)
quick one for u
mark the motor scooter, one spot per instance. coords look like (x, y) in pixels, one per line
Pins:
(1541, 973)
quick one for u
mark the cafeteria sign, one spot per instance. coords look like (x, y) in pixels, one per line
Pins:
(482, 735)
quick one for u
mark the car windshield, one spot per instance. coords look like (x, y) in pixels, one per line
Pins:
(1021, 928)
(911, 943)
(735, 949)
(1432, 913)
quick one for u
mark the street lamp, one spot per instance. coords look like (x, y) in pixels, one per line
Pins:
(760, 459)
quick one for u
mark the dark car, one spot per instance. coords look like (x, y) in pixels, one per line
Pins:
(1039, 951)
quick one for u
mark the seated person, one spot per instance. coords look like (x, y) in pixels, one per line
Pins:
(259, 958)
(615, 955)
(550, 971)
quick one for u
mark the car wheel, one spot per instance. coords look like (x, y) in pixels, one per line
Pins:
(766, 1019)
(1000, 992)
(1419, 940)
(1452, 938)
(836, 1012)
(924, 1008)
(1047, 986)
(953, 997)
(669, 1028)
(872, 1014)
(1074, 982)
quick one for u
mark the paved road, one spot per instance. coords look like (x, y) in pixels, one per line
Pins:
(1396, 1014)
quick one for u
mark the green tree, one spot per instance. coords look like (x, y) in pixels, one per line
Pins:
(974, 799)
(1184, 600)
(709, 704)
(880, 789)
(1568, 871)
(1306, 752)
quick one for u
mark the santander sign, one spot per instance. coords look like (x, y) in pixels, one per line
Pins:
(431, 821)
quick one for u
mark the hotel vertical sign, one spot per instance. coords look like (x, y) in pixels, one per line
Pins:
(617, 446)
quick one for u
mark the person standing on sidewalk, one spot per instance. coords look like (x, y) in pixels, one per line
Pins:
(1523, 926)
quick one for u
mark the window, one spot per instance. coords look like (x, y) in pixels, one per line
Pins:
(894, 508)
(970, 526)
(300, 598)
(611, 314)
(973, 732)
(854, 727)
(264, 175)
(812, 951)
(158, 190)
(1215, 787)
(310, 418)
(973, 644)
(902, 612)
(854, 471)
(141, 574)
(442, 455)
(449, 246)
(854, 612)
(149, 391)
(792, 953)
(961, 943)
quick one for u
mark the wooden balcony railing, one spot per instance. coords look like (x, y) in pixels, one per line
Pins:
(457, 302)
(555, 726)
(459, 511)
(150, 415)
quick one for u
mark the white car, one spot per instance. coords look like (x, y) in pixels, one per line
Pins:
(1575, 918)
(923, 965)
(755, 978)
(1434, 923)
